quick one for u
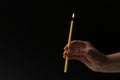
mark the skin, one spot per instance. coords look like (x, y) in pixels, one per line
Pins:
(95, 60)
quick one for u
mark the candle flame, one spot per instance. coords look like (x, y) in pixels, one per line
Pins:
(73, 15)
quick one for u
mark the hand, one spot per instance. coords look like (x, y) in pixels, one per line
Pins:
(83, 51)
(77, 49)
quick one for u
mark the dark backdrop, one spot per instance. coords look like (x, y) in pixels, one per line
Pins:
(33, 34)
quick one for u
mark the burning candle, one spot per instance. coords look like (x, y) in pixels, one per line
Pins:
(69, 40)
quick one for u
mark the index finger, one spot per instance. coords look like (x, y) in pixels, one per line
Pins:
(66, 47)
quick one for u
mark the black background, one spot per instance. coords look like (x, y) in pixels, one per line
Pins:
(33, 34)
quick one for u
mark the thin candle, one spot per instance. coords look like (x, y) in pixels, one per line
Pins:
(69, 40)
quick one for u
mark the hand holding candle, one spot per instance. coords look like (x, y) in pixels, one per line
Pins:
(69, 40)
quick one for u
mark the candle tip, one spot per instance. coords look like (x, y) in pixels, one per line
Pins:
(73, 15)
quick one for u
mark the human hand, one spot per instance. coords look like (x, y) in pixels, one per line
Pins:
(85, 52)
(77, 49)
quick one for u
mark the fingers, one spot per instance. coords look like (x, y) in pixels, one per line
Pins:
(66, 53)
(76, 43)
(77, 47)
(70, 55)
(73, 57)
(66, 47)
(80, 44)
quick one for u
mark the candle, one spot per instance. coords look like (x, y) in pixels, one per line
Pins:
(69, 40)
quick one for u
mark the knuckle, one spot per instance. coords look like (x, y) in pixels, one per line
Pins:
(74, 41)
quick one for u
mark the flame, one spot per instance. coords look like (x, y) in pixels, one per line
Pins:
(73, 15)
